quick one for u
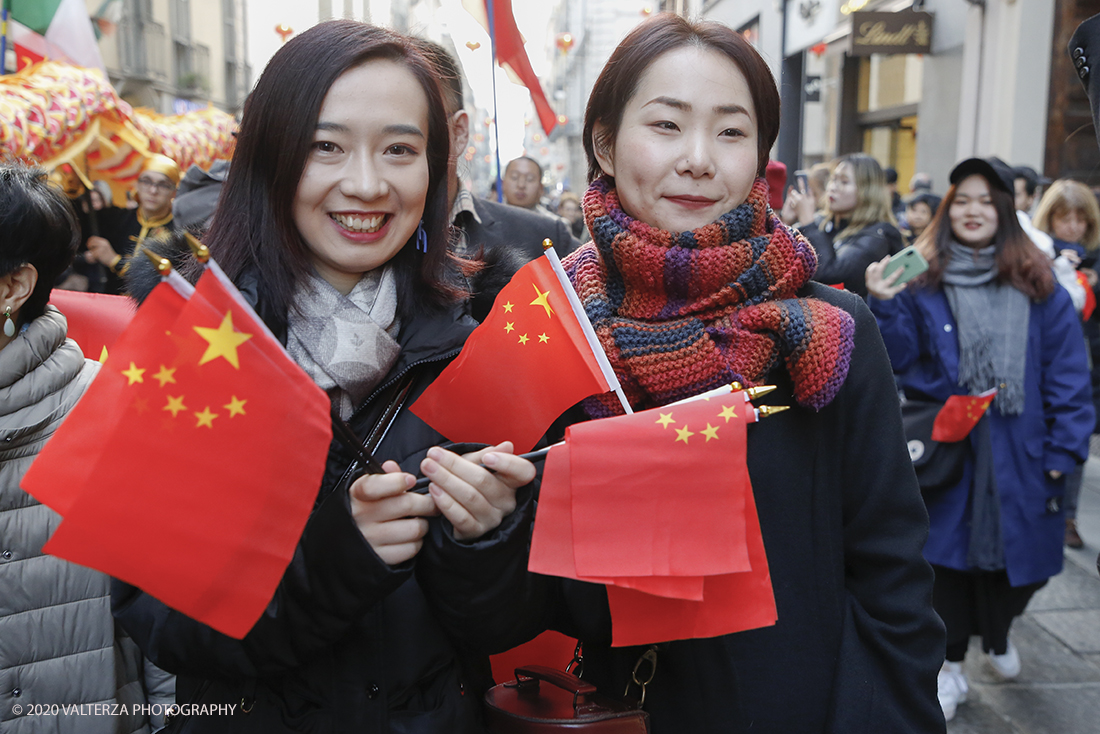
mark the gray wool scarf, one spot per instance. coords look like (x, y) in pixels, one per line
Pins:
(992, 320)
(346, 344)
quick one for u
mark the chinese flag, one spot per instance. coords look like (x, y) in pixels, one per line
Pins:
(731, 602)
(212, 470)
(959, 415)
(96, 320)
(657, 493)
(529, 355)
(511, 54)
(696, 601)
(69, 457)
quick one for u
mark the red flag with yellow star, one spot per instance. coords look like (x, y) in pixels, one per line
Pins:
(959, 415)
(61, 469)
(530, 355)
(658, 506)
(212, 470)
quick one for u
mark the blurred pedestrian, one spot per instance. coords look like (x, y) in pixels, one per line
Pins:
(856, 227)
(123, 232)
(919, 210)
(502, 238)
(988, 314)
(1069, 213)
(523, 185)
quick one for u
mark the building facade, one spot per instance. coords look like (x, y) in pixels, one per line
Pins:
(177, 55)
(994, 80)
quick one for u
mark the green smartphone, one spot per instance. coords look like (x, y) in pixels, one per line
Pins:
(910, 261)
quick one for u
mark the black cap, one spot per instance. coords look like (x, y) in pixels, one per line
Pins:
(995, 171)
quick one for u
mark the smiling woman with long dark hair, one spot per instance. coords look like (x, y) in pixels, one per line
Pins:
(989, 314)
(333, 222)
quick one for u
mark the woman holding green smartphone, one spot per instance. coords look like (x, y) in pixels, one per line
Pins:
(989, 314)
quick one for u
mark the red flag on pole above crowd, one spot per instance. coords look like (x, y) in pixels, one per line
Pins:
(959, 415)
(201, 491)
(510, 53)
(531, 354)
(95, 320)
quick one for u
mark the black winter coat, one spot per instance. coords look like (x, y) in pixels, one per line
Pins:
(857, 645)
(846, 262)
(348, 643)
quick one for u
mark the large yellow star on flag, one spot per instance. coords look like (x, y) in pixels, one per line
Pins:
(235, 406)
(222, 341)
(134, 374)
(728, 411)
(165, 376)
(665, 419)
(541, 300)
(710, 432)
(206, 418)
(175, 405)
(682, 434)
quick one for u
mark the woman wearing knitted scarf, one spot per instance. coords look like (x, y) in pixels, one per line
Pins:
(691, 282)
(988, 314)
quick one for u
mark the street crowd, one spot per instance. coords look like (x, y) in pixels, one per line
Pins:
(863, 307)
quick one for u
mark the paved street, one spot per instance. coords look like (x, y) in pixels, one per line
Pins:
(1058, 691)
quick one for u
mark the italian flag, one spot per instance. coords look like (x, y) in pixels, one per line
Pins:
(52, 29)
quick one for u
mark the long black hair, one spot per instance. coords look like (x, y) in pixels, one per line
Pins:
(253, 227)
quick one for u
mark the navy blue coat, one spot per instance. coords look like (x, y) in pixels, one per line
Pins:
(1051, 434)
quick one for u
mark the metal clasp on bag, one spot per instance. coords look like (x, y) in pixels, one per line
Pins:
(576, 665)
(649, 656)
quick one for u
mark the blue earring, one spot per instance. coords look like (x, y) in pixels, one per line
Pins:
(421, 238)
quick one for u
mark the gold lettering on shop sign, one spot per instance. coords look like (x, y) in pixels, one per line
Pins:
(874, 34)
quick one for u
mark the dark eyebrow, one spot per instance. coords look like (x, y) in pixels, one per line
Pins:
(669, 102)
(388, 130)
(732, 109)
(403, 130)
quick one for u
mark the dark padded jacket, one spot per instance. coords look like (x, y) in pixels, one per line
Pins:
(857, 645)
(846, 261)
(348, 643)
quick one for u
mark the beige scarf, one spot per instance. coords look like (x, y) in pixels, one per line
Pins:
(346, 344)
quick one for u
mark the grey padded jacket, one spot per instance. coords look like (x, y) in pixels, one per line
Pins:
(58, 641)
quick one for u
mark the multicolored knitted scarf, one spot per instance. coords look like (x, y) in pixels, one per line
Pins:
(679, 314)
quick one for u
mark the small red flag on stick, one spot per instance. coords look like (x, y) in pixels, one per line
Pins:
(621, 516)
(225, 440)
(959, 415)
(62, 468)
(531, 355)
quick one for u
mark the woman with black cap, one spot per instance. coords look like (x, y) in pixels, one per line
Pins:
(989, 314)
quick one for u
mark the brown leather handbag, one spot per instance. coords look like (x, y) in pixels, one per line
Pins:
(567, 704)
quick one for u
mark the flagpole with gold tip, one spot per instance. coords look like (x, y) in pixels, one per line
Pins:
(586, 325)
(168, 274)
